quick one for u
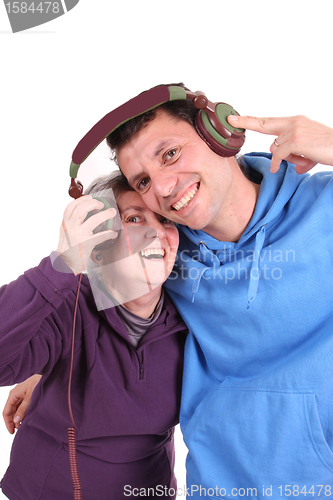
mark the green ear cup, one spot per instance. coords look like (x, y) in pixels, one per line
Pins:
(222, 112)
(110, 222)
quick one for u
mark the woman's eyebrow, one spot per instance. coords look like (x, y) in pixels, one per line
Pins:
(134, 207)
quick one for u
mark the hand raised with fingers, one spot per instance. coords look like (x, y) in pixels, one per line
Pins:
(77, 239)
(299, 140)
(18, 402)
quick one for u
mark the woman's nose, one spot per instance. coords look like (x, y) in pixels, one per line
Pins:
(155, 230)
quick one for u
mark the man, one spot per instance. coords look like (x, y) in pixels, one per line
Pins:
(254, 285)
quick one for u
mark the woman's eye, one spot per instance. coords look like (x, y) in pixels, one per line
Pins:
(133, 218)
(164, 220)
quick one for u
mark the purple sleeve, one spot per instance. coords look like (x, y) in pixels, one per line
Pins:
(35, 318)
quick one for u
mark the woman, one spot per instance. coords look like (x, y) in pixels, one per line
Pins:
(127, 367)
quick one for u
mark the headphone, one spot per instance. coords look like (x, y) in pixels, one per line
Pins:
(115, 224)
(210, 122)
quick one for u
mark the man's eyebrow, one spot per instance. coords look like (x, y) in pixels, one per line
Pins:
(160, 147)
(132, 180)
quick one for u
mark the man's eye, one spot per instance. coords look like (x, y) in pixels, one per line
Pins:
(170, 154)
(143, 184)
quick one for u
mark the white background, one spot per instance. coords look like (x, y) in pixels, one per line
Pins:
(57, 80)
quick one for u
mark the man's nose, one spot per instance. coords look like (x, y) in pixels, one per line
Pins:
(164, 183)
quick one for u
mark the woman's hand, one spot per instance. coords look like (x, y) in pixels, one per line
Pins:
(299, 140)
(77, 240)
(18, 402)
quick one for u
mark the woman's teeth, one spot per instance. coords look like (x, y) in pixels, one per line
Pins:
(184, 201)
(152, 253)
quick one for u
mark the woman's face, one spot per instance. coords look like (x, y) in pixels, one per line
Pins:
(145, 251)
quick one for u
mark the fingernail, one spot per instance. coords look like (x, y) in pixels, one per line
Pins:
(17, 419)
(233, 118)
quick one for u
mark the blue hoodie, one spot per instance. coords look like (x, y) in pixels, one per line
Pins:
(257, 403)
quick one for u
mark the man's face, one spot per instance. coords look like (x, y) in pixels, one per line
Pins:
(176, 173)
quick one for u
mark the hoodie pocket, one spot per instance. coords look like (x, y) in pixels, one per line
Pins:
(250, 437)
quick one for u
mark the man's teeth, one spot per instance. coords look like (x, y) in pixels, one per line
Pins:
(153, 253)
(184, 201)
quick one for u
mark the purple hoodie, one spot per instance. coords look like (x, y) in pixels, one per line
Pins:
(125, 401)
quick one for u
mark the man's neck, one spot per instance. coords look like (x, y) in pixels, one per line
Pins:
(238, 209)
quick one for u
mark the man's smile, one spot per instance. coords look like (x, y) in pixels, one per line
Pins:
(185, 200)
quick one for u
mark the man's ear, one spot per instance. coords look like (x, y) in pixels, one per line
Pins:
(96, 257)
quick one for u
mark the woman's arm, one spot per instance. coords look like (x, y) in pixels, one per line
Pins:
(37, 308)
(18, 403)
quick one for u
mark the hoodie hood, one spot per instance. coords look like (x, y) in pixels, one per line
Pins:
(275, 192)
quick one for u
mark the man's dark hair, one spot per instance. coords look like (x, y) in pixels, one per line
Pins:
(182, 109)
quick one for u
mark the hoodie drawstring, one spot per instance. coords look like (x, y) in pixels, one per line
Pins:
(208, 258)
(255, 271)
(196, 283)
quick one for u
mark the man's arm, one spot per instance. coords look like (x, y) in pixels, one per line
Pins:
(18, 402)
(299, 140)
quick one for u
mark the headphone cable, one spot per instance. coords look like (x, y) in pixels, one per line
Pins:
(72, 453)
